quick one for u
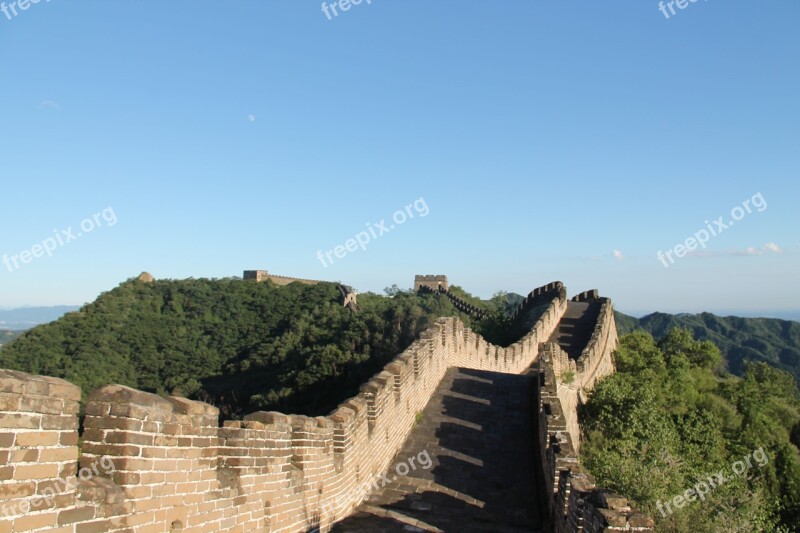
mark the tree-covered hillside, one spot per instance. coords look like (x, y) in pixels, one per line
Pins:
(242, 346)
(768, 340)
(697, 448)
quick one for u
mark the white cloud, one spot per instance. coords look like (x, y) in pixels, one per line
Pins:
(251, 117)
(770, 247)
(618, 255)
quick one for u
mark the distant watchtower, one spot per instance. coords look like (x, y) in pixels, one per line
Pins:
(256, 275)
(434, 283)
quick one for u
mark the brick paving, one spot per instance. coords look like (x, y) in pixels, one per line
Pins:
(478, 429)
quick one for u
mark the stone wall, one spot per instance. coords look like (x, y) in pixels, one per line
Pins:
(432, 282)
(154, 464)
(596, 361)
(263, 275)
(536, 296)
(575, 503)
(458, 303)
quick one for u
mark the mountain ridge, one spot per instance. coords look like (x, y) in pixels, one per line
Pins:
(741, 339)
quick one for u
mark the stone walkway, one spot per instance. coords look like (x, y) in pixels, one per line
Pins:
(576, 327)
(478, 430)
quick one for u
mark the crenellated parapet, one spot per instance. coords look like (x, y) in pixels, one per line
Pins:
(574, 502)
(537, 296)
(164, 464)
(264, 275)
(591, 296)
(596, 360)
(435, 283)
(465, 307)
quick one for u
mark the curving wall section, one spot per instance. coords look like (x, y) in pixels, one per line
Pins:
(574, 501)
(154, 464)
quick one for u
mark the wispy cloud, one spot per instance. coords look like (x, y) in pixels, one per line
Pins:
(618, 255)
(769, 248)
(251, 117)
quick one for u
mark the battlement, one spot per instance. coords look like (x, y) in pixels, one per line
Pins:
(349, 296)
(263, 275)
(575, 503)
(458, 303)
(432, 282)
(537, 296)
(156, 464)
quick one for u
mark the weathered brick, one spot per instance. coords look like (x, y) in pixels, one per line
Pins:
(127, 437)
(7, 440)
(59, 422)
(117, 450)
(11, 381)
(56, 455)
(51, 406)
(36, 471)
(80, 514)
(68, 438)
(37, 438)
(9, 491)
(99, 526)
(25, 455)
(35, 521)
(20, 421)
(9, 402)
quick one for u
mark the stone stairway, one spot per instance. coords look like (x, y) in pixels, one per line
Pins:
(478, 430)
(576, 326)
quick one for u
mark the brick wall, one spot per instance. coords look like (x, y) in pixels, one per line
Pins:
(154, 464)
(575, 503)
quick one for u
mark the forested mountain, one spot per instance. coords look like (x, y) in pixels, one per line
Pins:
(769, 340)
(696, 448)
(242, 346)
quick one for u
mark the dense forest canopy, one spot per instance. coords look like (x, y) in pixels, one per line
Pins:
(669, 420)
(240, 345)
(741, 340)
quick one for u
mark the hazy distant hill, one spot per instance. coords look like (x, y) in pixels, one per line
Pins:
(7, 335)
(771, 340)
(28, 317)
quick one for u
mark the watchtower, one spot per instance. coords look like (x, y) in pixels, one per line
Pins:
(434, 283)
(256, 275)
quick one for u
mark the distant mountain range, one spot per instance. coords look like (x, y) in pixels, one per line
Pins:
(771, 340)
(7, 335)
(28, 317)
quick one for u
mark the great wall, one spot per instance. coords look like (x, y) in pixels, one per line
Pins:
(160, 464)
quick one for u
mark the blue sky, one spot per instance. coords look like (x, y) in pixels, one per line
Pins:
(548, 140)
